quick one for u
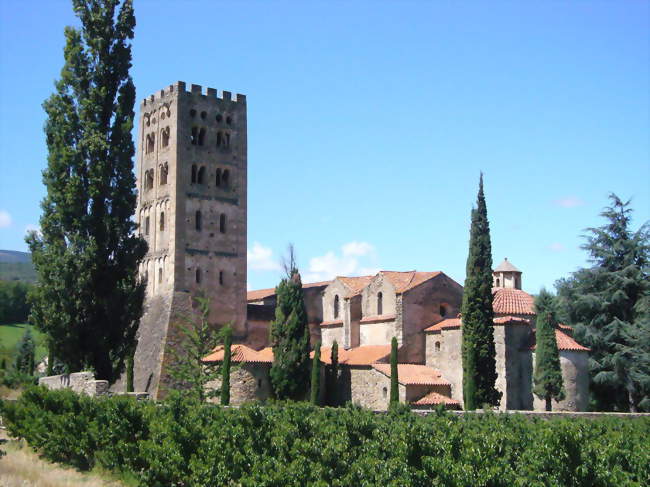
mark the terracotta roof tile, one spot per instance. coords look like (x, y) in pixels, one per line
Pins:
(266, 354)
(267, 293)
(512, 301)
(413, 374)
(564, 342)
(364, 355)
(240, 353)
(377, 319)
(403, 281)
(355, 284)
(445, 324)
(506, 266)
(511, 319)
(435, 398)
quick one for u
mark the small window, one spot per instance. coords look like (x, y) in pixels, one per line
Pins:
(221, 278)
(162, 221)
(384, 391)
(201, 136)
(165, 137)
(203, 114)
(222, 223)
(336, 307)
(164, 171)
(146, 226)
(200, 176)
(219, 118)
(148, 179)
(437, 346)
(225, 179)
(259, 383)
(498, 282)
(197, 221)
(151, 143)
(228, 120)
(219, 139)
(380, 303)
(443, 310)
(193, 173)
(159, 274)
(226, 142)
(195, 135)
(197, 275)
(192, 112)
(218, 178)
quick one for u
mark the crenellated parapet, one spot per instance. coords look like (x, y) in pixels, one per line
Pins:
(195, 90)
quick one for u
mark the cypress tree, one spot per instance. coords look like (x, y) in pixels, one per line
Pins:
(89, 298)
(548, 373)
(478, 350)
(334, 375)
(129, 373)
(290, 337)
(50, 361)
(315, 376)
(394, 379)
(25, 355)
(225, 368)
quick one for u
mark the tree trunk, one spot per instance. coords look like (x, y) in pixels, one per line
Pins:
(631, 402)
(549, 406)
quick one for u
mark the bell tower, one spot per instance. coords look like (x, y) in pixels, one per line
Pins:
(506, 275)
(192, 210)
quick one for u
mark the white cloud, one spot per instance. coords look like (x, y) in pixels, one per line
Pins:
(260, 258)
(352, 261)
(557, 247)
(569, 202)
(5, 219)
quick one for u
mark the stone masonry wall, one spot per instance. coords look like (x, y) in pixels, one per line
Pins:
(248, 382)
(80, 382)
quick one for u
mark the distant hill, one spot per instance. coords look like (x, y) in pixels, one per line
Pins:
(16, 266)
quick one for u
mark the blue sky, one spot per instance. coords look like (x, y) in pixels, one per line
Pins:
(369, 122)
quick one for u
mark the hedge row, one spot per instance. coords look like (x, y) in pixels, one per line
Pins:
(180, 443)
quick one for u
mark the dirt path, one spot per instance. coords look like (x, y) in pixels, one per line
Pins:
(23, 468)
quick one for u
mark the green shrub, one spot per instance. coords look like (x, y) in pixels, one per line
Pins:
(183, 442)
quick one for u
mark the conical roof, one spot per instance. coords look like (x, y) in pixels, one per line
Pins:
(506, 266)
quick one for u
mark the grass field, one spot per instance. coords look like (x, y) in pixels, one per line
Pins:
(10, 335)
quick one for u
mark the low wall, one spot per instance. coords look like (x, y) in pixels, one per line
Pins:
(80, 382)
(548, 414)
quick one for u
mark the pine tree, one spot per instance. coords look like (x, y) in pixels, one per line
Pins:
(608, 304)
(394, 379)
(290, 337)
(478, 350)
(225, 368)
(89, 298)
(333, 378)
(25, 354)
(548, 373)
(315, 376)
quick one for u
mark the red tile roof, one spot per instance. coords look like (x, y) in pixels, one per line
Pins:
(377, 319)
(413, 374)
(506, 266)
(332, 323)
(240, 353)
(449, 323)
(564, 342)
(404, 281)
(365, 355)
(512, 302)
(510, 319)
(267, 293)
(435, 398)
(355, 284)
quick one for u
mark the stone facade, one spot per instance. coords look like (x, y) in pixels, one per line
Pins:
(248, 382)
(192, 200)
(80, 382)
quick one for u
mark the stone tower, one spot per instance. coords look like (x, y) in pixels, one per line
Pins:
(192, 201)
(506, 275)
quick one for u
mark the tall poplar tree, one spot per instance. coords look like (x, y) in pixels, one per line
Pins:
(548, 372)
(89, 298)
(478, 351)
(290, 337)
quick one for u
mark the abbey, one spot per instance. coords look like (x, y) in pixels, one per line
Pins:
(192, 203)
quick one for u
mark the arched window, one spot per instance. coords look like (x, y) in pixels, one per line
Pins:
(437, 346)
(146, 226)
(165, 136)
(498, 282)
(225, 178)
(197, 221)
(218, 178)
(201, 136)
(197, 275)
(200, 176)
(222, 223)
(159, 274)
(195, 135)
(221, 278)
(336, 307)
(193, 173)
(148, 179)
(151, 143)
(162, 221)
(380, 303)
(385, 392)
(219, 139)
(164, 171)
(226, 141)
(443, 310)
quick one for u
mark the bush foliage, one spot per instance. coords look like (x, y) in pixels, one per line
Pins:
(181, 442)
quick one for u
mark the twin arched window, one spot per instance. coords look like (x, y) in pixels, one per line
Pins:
(222, 178)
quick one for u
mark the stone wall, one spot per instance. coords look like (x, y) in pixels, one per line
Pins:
(248, 382)
(330, 333)
(448, 360)
(371, 389)
(80, 382)
(575, 375)
(379, 333)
